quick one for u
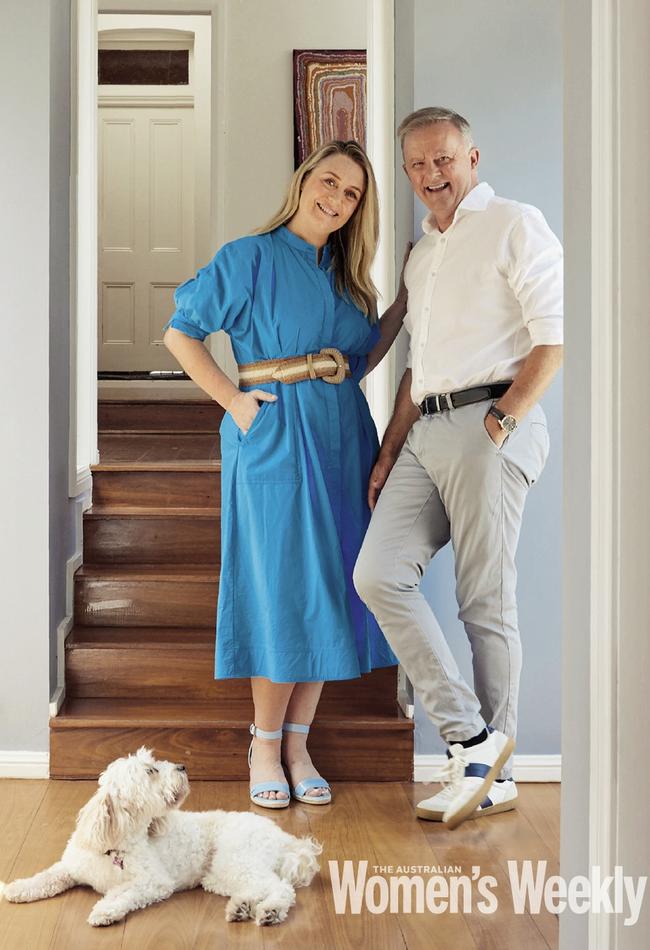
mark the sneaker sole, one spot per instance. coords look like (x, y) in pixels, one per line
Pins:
(472, 803)
(430, 815)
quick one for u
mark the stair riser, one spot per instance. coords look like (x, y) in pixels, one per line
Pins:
(158, 489)
(133, 540)
(180, 417)
(160, 674)
(163, 603)
(360, 755)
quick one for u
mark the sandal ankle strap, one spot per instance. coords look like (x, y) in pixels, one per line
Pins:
(294, 727)
(254, 731)
(263, 734)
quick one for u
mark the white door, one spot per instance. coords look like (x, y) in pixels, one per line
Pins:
(146, 230)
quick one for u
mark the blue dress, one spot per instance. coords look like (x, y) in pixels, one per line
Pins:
(294, 509)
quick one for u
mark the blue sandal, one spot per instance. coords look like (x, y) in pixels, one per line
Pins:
(300, 790)
(267, 786)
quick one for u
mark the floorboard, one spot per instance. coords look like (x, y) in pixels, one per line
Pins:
(373, 822)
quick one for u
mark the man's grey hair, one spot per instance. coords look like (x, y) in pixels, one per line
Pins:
(429, 116)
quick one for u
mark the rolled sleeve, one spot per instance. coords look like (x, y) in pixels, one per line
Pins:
(534, 270)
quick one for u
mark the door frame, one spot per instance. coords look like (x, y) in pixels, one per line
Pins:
(593, 196)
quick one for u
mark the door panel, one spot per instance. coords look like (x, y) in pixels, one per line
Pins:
(146, 230)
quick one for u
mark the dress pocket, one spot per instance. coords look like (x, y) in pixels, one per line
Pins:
(268, 451)
(257, 421)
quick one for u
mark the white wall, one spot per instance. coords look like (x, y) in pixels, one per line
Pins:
(257, 121)
(500, 65)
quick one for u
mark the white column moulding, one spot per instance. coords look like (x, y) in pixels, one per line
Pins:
(380, 385)
(604, 457)
(83, 252)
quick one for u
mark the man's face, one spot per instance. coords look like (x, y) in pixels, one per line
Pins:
(441, 168)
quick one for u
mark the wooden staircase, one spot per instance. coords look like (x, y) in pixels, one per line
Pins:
(139, 661)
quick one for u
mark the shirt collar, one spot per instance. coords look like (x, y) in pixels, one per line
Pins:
(475, 200)
(309, 250)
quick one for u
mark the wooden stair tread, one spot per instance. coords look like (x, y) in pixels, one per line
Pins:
(149, 572)
(168, 433)
(233, 713)
(142, 511)
(139, 638)
(131, 400)
(172, 465)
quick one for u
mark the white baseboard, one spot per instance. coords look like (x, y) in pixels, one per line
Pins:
(526, 768)
(24, 764)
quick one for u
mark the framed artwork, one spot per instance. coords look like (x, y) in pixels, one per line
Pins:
(329, 93)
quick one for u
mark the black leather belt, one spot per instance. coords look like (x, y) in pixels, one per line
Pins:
(462, 397)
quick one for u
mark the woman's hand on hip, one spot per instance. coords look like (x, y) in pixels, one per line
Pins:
(244, 406)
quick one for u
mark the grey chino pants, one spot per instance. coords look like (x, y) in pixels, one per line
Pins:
(451, 482)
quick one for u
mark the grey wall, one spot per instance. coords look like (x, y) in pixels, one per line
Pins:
(62, 515)
(500, 65)
(29, 102)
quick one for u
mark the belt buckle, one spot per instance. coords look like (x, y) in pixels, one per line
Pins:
(339, 359)
(447, 398)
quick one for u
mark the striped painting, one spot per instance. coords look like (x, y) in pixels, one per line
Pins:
(329, 94)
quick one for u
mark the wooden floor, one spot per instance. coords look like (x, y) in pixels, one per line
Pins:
(371, 822)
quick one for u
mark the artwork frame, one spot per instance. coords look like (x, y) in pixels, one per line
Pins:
(330, 98)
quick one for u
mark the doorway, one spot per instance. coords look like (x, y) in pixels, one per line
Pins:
(153, 138)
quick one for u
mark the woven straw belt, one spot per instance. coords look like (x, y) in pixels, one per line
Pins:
(329, 365)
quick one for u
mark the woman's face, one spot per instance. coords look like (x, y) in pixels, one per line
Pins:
(331, 194)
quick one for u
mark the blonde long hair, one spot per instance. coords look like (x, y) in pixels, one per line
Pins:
(354, 245)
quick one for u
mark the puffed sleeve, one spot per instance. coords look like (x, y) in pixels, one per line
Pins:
(358, 361)
(218, 296)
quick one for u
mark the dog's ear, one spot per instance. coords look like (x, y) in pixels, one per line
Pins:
(158, 827)
(98, 824)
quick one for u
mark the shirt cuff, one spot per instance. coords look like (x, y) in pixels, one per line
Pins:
(546, 331)
(186, 327)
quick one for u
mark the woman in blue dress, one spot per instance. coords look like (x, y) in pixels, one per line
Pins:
(296, 455)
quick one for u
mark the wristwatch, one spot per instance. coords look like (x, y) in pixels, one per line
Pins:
(507, 423)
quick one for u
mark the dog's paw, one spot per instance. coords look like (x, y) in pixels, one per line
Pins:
(238, 910)
(14, 892)
(268, 916)
(101, 917)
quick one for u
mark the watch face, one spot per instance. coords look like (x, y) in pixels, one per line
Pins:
(509, 423)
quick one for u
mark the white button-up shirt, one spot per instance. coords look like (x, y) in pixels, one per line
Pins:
(481, 294)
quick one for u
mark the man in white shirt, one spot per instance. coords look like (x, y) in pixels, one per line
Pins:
(466, 441)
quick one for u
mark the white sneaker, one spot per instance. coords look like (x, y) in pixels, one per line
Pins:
(502, 797)
(471, 773)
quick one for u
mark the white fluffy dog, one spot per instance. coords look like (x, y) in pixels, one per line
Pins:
(135, 847)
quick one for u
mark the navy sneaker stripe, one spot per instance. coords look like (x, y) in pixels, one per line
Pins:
(477, 770)
(486, 803)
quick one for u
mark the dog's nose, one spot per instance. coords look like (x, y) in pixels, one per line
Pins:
(181, 768)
